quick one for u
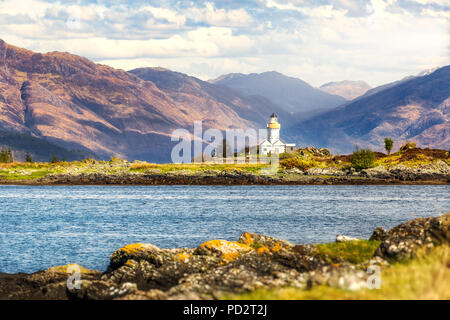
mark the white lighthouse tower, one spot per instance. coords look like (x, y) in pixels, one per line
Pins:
(273, 144)
(273, 128)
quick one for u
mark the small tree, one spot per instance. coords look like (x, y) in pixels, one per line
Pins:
(363, 159)
(6, 155)
(388, 144)
(54, 159)
(28, 157)
(3, 155)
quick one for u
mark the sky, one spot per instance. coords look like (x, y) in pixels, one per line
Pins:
(319, 41)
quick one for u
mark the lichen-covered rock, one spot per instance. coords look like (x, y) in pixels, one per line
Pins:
(329, 171)
(407, 146)
(378, 172)
(293, 171)
(228, 250)
(403, 240)
(322, 152)
(262, 242)
(70, 268)
(101, 290)
(48, 284)
(379, 234)
(218, 267)
(153, 294)
(248, 272)
(136, 251)
(325, 152)
(303, 258)
(164, 271)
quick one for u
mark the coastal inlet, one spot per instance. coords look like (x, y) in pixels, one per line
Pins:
(44, 226)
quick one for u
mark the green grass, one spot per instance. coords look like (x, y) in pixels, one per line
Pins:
(13, 171)
(17, 176)
(40, 169)
(351, 251)
(196, 167)
(424, 277)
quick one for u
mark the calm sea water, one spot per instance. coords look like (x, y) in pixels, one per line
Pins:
(46, 226)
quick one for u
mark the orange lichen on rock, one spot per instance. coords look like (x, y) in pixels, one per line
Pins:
(138, 247)
(276, 247)
(226, 249)
(262, 250)
(130, 263)
(247, 238)
(230, 256)
(182, 256)
(70, 268)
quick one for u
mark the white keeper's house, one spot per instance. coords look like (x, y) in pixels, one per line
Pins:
(273, 144)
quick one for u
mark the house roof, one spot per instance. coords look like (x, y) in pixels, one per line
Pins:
(279, 141)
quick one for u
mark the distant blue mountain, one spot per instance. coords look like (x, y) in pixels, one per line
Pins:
(415, 108)
(292, 94)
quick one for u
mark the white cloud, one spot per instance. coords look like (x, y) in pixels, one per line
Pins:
(220, 17)
(170, 15)
(201, 42)
(378, 42)
(438, 2)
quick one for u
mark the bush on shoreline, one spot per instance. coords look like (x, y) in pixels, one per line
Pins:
(298, 163)
(363, 159)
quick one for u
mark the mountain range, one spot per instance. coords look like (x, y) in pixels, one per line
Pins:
(76, 104)
(63, 104)
(292, 94)
(416, 108)
(347, 89)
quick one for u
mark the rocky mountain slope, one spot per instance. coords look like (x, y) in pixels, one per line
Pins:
(416, 109)
(74, 103)
(292, 94)
(70, 103)
(216, 100)
(349, 90)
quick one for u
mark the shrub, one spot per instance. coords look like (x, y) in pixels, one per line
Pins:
(28, 158)
(363, 159)
(298, 163)
(6, 155)
(286, 155)
(116, 160)
(54, 159)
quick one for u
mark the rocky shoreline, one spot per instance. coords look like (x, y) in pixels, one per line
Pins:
(218, 268)
(437, 173)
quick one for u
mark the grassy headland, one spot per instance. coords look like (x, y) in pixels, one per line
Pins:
(305, 166)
